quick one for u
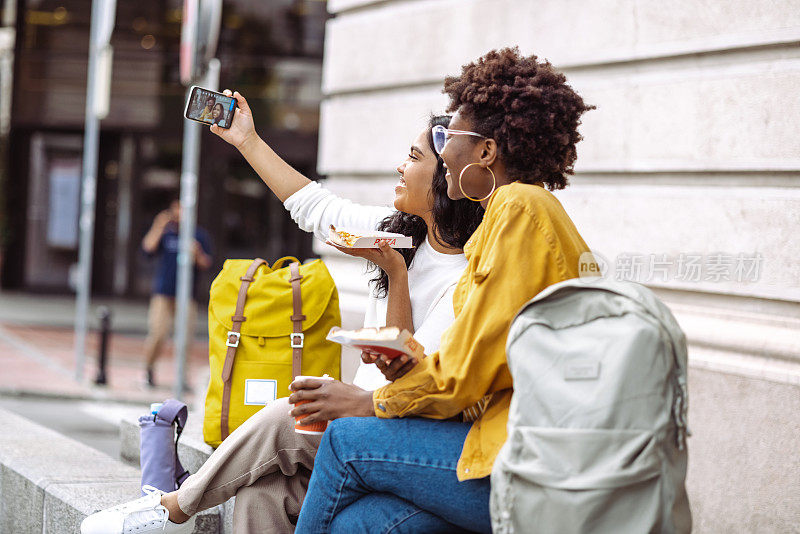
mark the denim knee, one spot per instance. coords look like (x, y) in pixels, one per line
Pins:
(346, 434)
(345, 424)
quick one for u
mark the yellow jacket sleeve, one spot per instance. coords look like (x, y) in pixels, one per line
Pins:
(514, 258)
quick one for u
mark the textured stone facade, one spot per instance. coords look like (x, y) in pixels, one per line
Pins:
(691, 156)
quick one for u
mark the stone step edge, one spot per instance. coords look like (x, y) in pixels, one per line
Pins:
(42, 492)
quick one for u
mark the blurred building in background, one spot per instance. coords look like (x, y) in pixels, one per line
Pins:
(688, 180)
(270, 51)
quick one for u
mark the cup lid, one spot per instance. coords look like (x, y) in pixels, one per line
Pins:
(323, 377)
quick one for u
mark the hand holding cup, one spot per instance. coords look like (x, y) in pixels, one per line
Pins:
(318, 400)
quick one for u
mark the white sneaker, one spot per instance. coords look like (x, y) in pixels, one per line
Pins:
(145, 514)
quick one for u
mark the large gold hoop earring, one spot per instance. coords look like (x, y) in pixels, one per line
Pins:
(494, 183)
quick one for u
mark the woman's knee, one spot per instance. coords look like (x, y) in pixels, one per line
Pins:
(344, 425)
(347, 433)
(388, 514)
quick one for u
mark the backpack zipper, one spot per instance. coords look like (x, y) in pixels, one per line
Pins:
(680, 407)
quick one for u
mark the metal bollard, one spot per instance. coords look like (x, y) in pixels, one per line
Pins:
(104, 314)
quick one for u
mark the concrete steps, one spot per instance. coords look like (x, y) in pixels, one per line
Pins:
(49, 483)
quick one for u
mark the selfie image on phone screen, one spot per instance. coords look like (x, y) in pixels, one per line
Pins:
(210, 107)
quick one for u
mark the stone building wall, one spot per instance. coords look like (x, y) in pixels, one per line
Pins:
(688, 180)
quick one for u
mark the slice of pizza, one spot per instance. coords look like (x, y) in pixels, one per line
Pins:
(370, 239)
(388, 340)
(342, 237)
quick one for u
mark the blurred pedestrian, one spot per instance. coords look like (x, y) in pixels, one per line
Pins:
(161, 241)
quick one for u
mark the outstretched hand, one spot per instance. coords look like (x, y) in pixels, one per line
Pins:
(242, 128)
(385, 257)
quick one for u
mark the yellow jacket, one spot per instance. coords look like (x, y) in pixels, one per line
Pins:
(205, 115)
(525, 243)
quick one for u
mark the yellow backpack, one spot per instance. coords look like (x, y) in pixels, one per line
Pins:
(266, 325)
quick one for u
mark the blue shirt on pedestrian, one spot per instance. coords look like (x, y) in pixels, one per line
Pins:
(165, 280)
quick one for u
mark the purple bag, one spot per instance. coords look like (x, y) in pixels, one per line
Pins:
(160, 465)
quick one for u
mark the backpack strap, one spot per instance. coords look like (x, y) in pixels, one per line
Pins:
(297, 338)
(175, 412)
(233, 343)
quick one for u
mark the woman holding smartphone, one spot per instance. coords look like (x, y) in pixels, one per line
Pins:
(439, 227)
(264, 463)
(440, 426)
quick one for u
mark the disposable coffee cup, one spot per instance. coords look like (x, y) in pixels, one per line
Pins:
(313, 428)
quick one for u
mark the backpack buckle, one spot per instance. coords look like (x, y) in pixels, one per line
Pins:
(298, 345)
(235, 336)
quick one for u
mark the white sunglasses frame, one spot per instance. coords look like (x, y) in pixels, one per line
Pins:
(447, 131)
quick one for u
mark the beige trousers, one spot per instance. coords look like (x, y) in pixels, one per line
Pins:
(265, 464)
(160, 318)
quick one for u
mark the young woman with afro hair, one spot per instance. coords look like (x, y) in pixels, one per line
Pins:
(423, 464)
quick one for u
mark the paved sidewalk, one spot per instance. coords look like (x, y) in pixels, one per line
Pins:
(128, 316)
(37, 353)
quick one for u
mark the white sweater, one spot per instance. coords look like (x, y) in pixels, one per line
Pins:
(432, 275)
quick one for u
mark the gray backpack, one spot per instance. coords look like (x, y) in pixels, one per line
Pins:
(597, 424)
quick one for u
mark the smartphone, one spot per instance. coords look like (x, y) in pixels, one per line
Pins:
(210, 107)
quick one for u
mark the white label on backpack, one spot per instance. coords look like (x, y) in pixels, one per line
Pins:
(260, 392)
(581, 370)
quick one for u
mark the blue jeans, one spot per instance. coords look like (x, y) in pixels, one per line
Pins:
(393, 476)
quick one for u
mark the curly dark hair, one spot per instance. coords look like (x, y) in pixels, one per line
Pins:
(526, 106)
(454, 220)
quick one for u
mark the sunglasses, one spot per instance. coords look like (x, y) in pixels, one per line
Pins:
(441, 136)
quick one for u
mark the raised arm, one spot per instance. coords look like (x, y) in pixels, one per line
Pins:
(153, 236)
(279, 176)
(312, 207)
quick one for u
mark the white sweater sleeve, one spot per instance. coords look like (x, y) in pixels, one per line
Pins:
(315, 208)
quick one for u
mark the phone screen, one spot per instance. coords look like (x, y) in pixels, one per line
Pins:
(210, 107)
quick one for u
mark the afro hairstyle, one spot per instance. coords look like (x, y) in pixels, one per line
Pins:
(526, 106)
